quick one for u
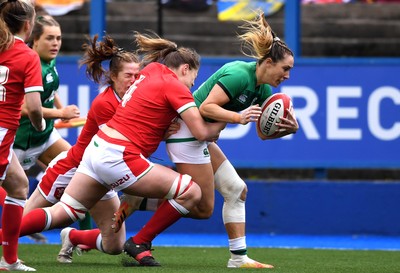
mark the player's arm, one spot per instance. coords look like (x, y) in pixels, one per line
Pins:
(212, 108)
(172, 129)
(201, 130)
(57, 102)
(65, 113)
(33, 106)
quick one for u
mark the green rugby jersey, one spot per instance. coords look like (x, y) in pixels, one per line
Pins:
(27, 136)
(238, 80)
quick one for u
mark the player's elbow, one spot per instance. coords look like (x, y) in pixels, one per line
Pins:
(201, 135)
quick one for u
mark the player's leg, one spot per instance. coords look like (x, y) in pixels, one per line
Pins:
(54, 147)
(36, 200)
(52, 184)
(181, 195)
(201, 173)
(190, 157)
(101, 238)
(193, 158)
(234, 191)
(204, 177)
(16, 185)
(129, 204)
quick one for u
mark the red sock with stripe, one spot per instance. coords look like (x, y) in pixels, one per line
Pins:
(33, 222)
(85, 237)
(11, 223)
(165, 216)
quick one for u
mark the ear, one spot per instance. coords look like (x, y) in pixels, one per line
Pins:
(113, 77)
(185, 69)
(268, 61)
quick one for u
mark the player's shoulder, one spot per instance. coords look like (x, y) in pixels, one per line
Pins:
(105, 97)
(238, 70)
(23, 54)
(22, 47)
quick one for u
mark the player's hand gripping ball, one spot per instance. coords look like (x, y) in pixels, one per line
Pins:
(272, 109)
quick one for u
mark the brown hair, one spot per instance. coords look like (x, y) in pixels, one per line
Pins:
(38, 29)
(260, 42)
(13, 15)
(156, 49)
(98, 51)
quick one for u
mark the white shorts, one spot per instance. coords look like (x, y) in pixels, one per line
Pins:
(182, 147)
(116, 164)
(29, 157)
(57, 178)
(6, 143)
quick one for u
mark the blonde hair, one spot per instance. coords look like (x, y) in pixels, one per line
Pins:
(260, 42)
(156, 49)
(13, 15)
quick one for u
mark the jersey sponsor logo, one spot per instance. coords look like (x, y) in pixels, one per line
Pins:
(271, 118)
(27, 160)
(59, 192)
(242, 98)
(206, 153)
(120, 181)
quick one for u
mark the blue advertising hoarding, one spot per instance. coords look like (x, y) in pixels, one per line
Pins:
(348, 112)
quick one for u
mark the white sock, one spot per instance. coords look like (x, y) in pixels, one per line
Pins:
(238, 247)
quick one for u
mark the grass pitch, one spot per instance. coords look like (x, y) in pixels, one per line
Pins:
(201, 259)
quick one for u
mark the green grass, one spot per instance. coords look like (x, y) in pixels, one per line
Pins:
(188, 260)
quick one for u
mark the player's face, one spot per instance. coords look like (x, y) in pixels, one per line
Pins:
(49, 43)
(190, 77)
(275, 73)
(124, 79)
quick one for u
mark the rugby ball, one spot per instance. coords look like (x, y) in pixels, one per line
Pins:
(272, 109)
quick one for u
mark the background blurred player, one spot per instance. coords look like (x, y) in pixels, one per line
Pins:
(33, 147)
(19, 77)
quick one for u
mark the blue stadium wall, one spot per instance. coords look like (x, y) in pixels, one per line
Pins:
(306, 208)
(349, 116)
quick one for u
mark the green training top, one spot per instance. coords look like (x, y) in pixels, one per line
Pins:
(238, 80)
(27, 136)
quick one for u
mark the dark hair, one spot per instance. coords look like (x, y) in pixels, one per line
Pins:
(97, 52)
(13, 15)
(261, 41)
(38, 28)
(156, 49)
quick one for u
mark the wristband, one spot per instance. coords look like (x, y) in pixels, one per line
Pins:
(43, 124)
(43, 127)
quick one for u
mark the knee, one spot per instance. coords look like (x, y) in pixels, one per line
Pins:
(243, 195)
(185, 191)
(229, 183)
(17, 186)
(202, 211)
(193, 195)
